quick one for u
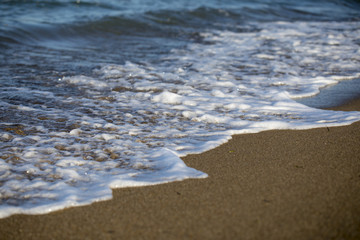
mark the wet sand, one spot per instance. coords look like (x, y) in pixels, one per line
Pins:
(281, 184)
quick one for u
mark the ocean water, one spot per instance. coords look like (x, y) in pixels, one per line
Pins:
(96, 95)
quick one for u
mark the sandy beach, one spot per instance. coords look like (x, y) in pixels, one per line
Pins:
(282, 184)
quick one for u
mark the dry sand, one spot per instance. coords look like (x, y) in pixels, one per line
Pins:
(271, 185)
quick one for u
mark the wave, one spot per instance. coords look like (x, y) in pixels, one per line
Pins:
(44, 21)
(172, 24)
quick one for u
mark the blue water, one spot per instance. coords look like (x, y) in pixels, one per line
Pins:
(99, 95)
(74, 36)
(334, 95)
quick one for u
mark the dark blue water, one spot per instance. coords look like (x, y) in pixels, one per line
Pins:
(50, 39)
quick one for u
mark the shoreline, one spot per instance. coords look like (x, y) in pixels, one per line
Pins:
(277, 184)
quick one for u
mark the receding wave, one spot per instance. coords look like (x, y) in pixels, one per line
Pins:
(127, 124)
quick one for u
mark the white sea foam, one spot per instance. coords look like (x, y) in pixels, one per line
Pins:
(131, 123)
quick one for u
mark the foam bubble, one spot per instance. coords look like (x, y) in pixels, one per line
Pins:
(167, 98)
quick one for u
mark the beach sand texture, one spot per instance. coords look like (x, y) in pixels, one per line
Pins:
(281, 184)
